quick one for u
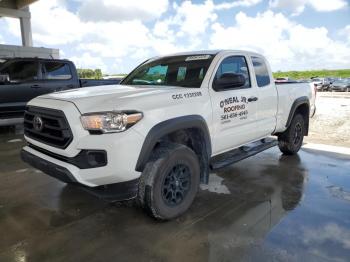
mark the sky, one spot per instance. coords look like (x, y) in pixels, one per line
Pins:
(117, 35)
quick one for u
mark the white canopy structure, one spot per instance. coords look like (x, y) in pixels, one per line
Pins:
(20, 9)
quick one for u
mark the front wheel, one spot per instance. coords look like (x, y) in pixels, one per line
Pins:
(169, 182)
(291, 140)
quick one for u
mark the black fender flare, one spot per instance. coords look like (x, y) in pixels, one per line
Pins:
(298, 102)
(166, 127)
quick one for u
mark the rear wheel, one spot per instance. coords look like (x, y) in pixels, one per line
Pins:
(169, 182)
(291, 140)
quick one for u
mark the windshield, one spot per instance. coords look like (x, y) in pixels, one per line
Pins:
(184, 71)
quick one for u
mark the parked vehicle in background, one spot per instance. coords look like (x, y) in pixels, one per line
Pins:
(322, 84)
(170, 121)
(285, 80)
(22, 79)
(342, 85)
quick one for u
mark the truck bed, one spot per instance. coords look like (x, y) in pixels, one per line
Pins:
(287, 94)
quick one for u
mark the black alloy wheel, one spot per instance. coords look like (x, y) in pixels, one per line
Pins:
(176, 185)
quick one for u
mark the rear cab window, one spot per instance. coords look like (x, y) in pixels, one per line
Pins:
(56, 71)
(261, 71)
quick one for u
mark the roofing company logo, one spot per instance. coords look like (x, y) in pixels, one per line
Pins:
(38, 123)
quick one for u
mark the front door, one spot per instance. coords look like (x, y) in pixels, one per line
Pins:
(235, 108)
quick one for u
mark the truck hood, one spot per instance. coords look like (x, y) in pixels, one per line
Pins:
(113, 97)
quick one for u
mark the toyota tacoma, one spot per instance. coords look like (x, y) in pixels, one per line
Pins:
(174, 118)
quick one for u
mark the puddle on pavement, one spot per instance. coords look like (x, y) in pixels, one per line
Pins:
(266, 208)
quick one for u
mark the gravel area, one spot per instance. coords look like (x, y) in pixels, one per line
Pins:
(331, 123)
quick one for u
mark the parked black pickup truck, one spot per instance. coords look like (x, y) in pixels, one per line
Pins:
(22, 79)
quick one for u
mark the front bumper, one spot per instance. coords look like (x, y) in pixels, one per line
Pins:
(49, 168)
(112, 192)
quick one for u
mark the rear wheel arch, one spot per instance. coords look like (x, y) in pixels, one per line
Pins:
(191, 131)
(300, 106)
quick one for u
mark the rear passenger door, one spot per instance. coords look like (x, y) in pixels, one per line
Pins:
(234, 117)
(56, 76)
(268, 97)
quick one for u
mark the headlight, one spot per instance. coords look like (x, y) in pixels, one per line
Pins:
(109, 122)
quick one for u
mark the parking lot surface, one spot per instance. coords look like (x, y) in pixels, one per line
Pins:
(266, 208)
(331, 124)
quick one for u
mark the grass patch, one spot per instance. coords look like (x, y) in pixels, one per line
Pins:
(343, 73)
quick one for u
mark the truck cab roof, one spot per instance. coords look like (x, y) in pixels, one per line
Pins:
(210, 52)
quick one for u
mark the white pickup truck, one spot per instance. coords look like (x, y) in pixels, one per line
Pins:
(156, 136)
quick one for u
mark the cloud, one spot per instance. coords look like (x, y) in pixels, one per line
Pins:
(184, 29)
(327, 6)
(286, 44)
(345, 32)
(53, 24)
(86, 60)
(329, 233)
(243, 3)
(109, 39)
(193, 19)
(121, 34)
(189, 24)
(298, 6)
(111, 10)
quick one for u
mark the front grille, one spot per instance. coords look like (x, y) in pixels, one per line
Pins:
(54, 129)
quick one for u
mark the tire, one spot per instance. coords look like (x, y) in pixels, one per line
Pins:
(169, 182)
(290, 141)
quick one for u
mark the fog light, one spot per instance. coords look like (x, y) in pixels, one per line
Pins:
(96, 158)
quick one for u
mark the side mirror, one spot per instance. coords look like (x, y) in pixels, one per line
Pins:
(5, 78)
(228, 81)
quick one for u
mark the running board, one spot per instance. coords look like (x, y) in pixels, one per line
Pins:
(238, 154)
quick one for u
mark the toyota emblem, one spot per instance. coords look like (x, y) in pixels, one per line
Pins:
(38, 123)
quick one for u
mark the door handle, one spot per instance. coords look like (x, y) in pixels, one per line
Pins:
(35, 86)
(252, 99)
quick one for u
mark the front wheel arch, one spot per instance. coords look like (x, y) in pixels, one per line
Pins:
(190, 123)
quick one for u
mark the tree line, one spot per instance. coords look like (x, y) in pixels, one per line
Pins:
(341, 73)
(90, 73)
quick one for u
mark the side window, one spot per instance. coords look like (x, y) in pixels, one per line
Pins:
(261, 72)
(234, 65)
(22, 71)
(57, 71)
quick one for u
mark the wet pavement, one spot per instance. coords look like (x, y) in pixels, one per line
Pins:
(266, 208)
